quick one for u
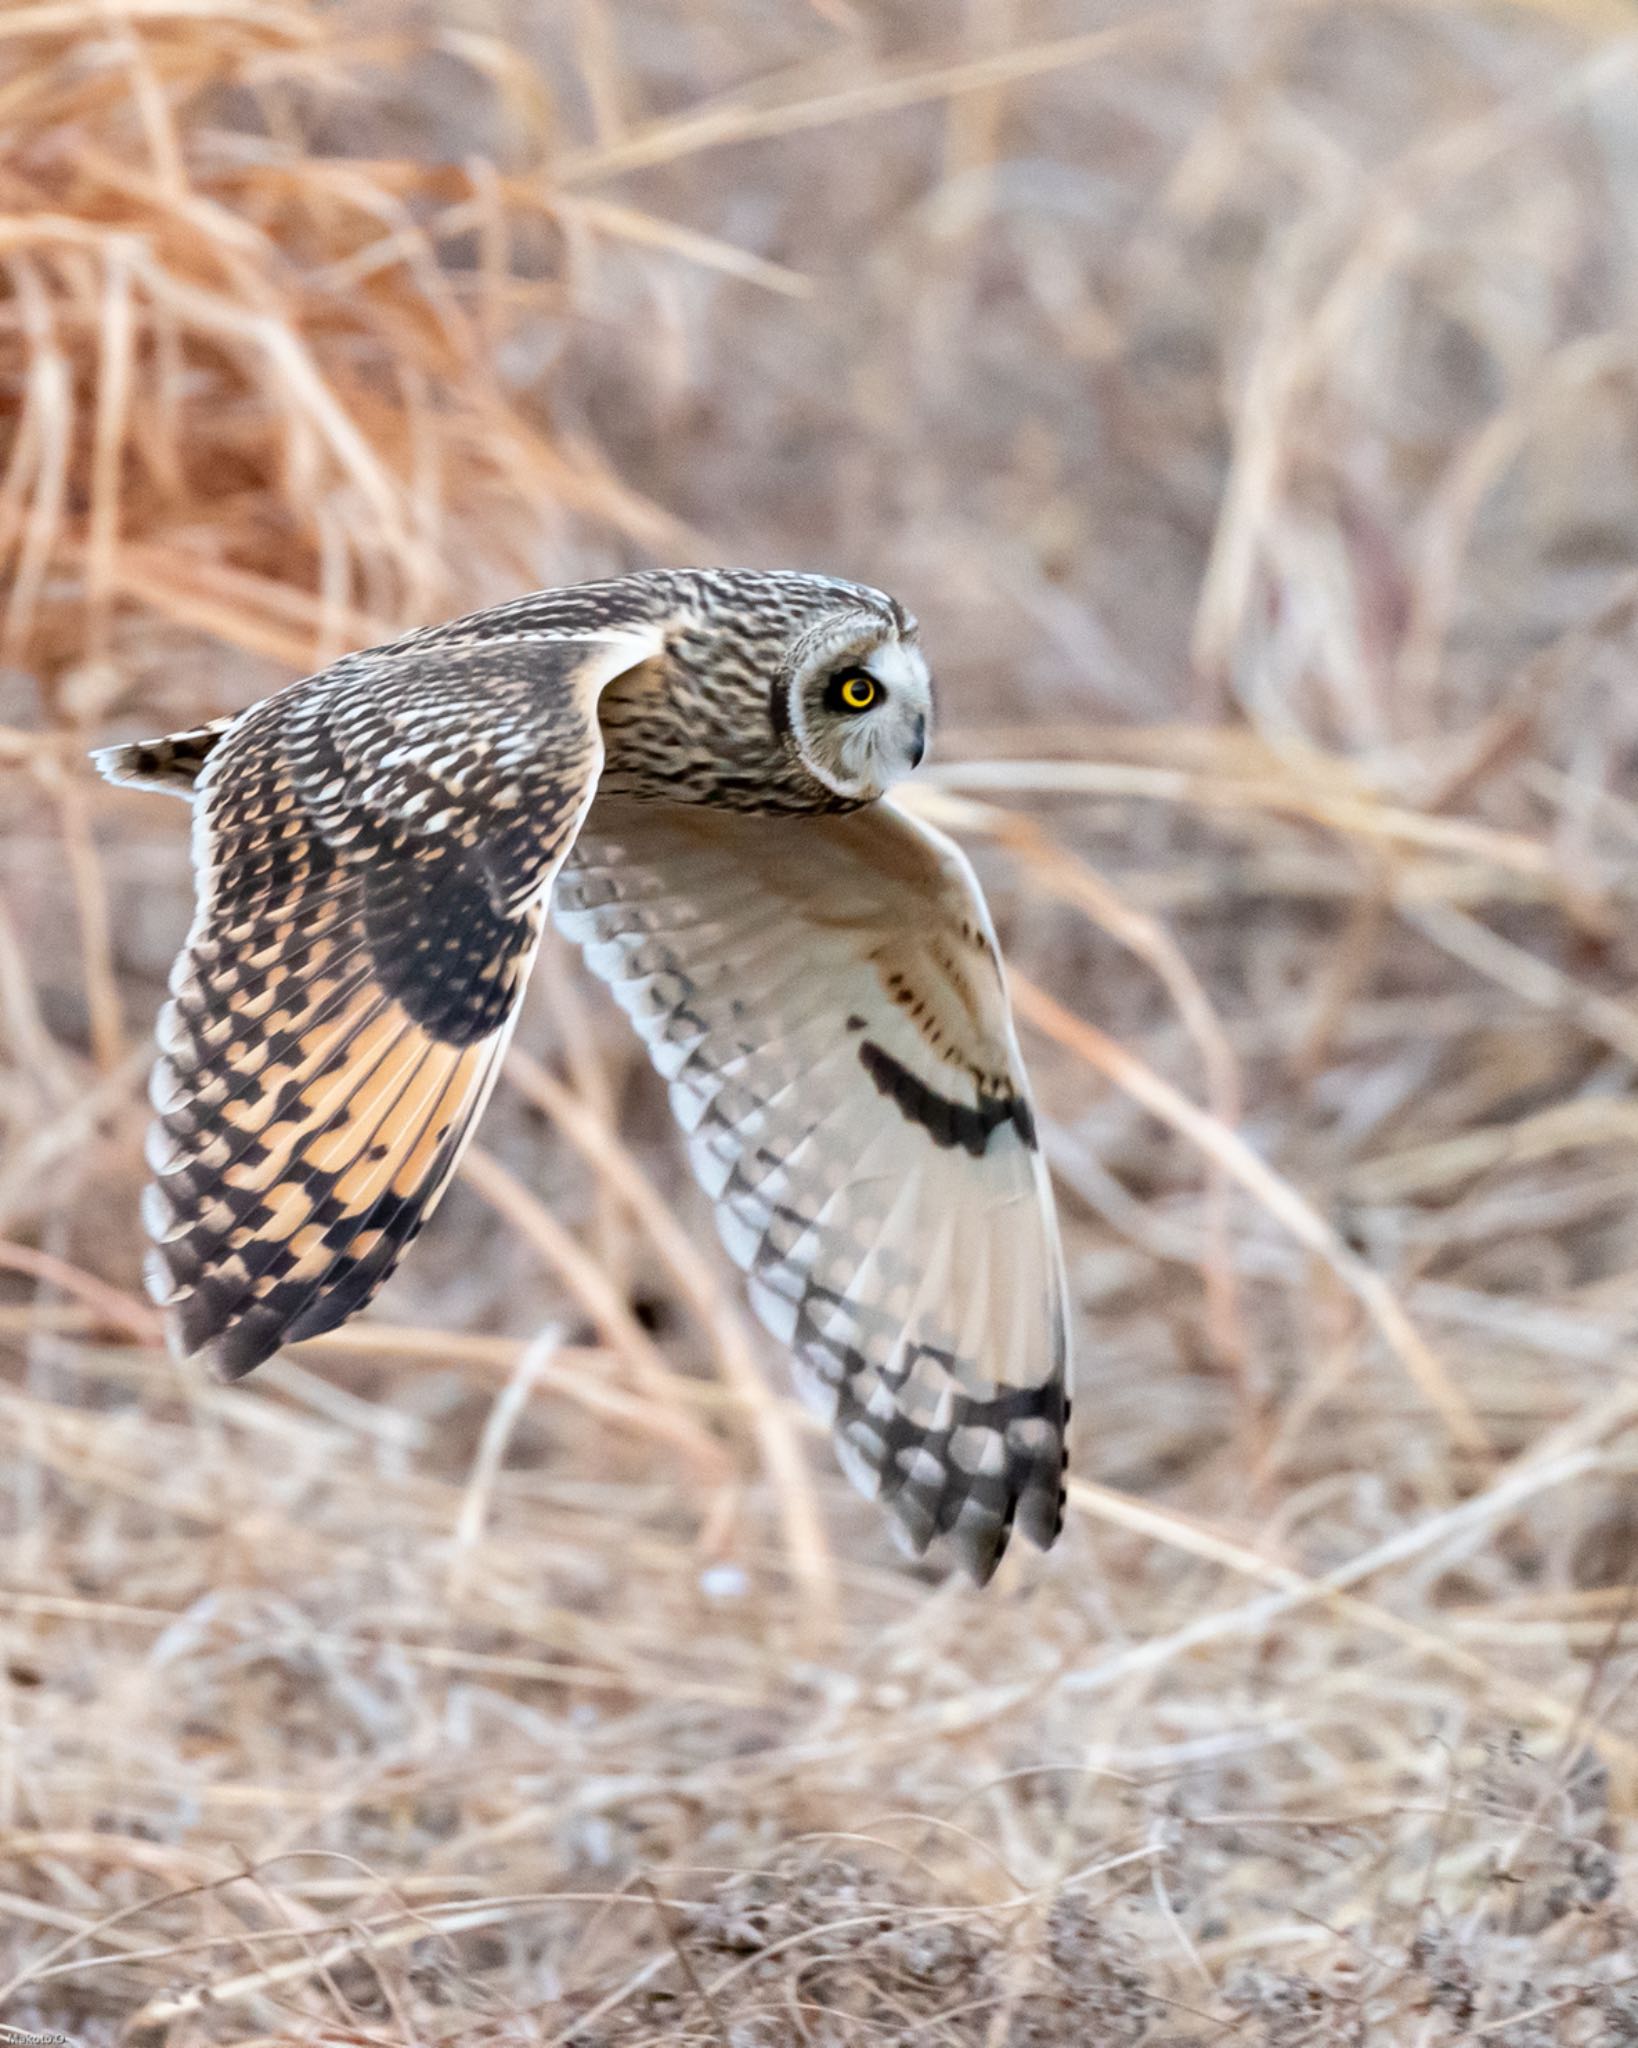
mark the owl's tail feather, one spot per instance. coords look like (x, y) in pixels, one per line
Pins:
(171, 764)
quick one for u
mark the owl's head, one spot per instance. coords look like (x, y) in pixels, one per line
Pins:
(856, 698)
(776, 691)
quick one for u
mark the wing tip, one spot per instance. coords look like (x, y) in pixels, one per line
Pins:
(121, 764)
(229, 1347)
(974, 1527)
(939, 1488)
(172, 764)
(1036, 1513)
(145, 764)
(236, 1353)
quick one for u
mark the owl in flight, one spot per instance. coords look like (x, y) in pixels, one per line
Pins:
(690, 769)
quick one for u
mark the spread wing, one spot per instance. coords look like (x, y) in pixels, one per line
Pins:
(824, 997)
(374, 851)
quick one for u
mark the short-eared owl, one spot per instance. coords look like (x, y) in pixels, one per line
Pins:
(691, 770)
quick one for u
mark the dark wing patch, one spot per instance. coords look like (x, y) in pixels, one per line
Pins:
(946, 1120)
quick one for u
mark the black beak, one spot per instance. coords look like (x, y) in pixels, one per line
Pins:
(918, 743)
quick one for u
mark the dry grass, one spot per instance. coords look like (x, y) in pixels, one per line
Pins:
(1247, 398)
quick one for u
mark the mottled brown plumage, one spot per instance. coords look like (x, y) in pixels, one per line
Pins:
(690, 768)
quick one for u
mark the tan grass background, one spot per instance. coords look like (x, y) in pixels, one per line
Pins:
(1245, 394)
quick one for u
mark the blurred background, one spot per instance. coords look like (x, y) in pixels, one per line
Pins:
(1245, 396)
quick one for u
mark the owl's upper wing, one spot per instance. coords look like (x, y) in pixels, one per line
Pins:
(825, 998)
(374, 849)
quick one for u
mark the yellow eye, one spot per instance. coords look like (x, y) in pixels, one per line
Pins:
(858, 692)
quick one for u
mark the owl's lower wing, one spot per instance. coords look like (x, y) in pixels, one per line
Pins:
(374, 850)
(824, 997)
